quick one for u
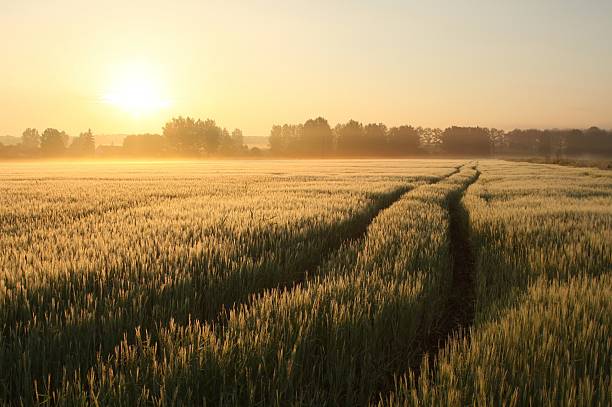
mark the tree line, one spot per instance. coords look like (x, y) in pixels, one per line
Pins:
(316, 137)
(53, 142)
(181, 137)
(189, 137)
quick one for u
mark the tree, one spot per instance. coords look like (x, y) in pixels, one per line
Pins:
(403, 140)
(226, 145)
(276, 141)
(212, 135)
(317, 137)
(183, 135)
(349, 138)
(84, 145)
(375, 139)
(545, 143)
(497, 139)
(285, 139)
(30, 139)
(593, 141)
(466, 141)
(522, 142)
(598, 142)
(53, 142)
(188, 136)
(232, 144)
(430, 139)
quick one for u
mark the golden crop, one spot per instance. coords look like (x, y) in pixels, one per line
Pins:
(542, 331)
(303, 282)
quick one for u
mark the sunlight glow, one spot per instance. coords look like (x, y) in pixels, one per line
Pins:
(137, 91)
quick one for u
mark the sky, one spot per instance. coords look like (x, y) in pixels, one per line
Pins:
(122, 67)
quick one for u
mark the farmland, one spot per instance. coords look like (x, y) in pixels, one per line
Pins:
(330, 282)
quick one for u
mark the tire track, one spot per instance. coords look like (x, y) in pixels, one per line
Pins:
(358, 232)
(458, 313)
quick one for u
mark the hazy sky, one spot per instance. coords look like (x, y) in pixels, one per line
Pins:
(250, 64)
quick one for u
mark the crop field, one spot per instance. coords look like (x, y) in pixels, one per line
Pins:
(305, 282)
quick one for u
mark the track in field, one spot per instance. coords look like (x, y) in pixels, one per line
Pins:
(458, 314)
(382, 202)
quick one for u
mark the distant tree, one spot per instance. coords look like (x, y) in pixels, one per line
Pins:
(497, 138)
(403, 140)
(546, 142)
(286, 139)
(188, 136)
(375, 139)
(349, 138)
(226, 146)
(466, 141)
(593, 141)
(232, 144)
(184, 135)
(430, 139)
(30, 139)
(225, 133)
(88, 141)
(53, 142)
(316, 137)
(598, 142)
(276, 141)
(557, 143)
(84, 145)
(522, 142)
(211, 134)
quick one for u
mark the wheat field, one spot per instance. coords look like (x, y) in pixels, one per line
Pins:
(305, 282)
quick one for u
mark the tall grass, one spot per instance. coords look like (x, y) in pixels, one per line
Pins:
(543, 325)
(295, 283)
(336, 340)
(91, 261)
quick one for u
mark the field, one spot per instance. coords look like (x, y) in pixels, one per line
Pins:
(331, 282)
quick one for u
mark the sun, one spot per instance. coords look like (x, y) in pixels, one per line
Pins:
(136, 90)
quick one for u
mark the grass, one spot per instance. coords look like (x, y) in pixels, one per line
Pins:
(81, 273)
(543, 295)
(305, 283)
(319, 343)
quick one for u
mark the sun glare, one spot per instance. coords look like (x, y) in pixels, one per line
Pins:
(137, 91)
